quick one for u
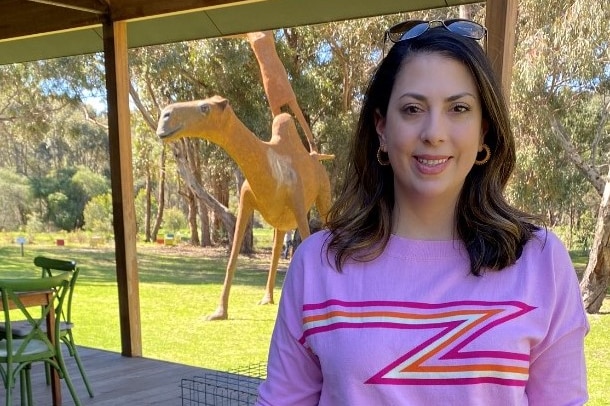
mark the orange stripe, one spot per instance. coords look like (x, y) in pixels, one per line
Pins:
(398, 315)
(463, 368)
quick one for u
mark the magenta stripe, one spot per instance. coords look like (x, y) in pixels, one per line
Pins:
(414, 305)
(447, 381)
(455, 354)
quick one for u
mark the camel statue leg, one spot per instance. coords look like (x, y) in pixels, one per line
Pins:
(323, 201)
(300, 213)
(278, 241)
(244, 211)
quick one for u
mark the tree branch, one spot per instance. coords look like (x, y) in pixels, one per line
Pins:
(590, 172)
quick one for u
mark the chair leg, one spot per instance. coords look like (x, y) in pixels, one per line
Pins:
(82, 372)
(64, 373)
(69, 341)
(8, 378)
(28, 385)
(23, 387)
(9, 394)
(47, 373)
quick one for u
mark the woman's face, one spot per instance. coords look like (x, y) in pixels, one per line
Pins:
(433, 129)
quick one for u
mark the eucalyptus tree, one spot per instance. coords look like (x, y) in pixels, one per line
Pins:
(14, 200)
(561, 97)
(45, 129)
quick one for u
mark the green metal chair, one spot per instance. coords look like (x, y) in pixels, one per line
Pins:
(50, 267)
(18, 354)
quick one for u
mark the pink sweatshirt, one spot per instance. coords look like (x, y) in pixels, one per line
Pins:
(414, 327)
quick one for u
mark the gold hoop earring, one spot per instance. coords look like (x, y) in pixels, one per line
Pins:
(382, 162)
(487, 155)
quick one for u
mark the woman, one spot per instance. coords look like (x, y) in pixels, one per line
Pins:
(428, 288)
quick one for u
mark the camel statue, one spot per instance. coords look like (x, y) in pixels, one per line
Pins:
(283, 180)
(275, 80)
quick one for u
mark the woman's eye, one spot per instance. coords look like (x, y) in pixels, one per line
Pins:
(461, 108)
(411, 109)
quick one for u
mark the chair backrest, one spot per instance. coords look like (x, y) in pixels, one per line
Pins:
(53, 266)
(13, 296)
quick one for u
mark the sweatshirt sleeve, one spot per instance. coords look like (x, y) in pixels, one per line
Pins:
(293, 371)
(557, 370)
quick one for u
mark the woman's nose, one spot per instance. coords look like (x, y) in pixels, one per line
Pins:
(434, 128)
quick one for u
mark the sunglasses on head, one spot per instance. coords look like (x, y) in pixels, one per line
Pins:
(414, 28)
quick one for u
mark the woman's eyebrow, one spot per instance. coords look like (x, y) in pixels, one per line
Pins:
(421, 97)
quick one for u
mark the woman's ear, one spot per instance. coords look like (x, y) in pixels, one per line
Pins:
(380, 126)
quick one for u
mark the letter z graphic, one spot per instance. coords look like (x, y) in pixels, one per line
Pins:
(440, 359)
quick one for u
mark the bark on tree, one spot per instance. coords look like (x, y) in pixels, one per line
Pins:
(588, 170)
(206, 236)
(594, 283)
(192, 156)
(161, 194)
(148, 208)
(192, 216)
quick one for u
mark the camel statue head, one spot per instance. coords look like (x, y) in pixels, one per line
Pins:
(207, 118)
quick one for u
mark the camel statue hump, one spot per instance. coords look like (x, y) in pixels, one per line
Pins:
(284, 131)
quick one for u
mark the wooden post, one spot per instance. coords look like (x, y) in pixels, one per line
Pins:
(121, 175)
(501, 21)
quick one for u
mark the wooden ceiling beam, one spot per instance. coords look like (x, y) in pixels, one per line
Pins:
(136, 9)
(64, 15)
(87, 6)
(34, 18)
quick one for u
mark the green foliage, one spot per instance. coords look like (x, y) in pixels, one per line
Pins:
(98, 214)
(34, 224)
(90, 182)
(174, 220)
(65, 192)
(579, 236)
(14, 199)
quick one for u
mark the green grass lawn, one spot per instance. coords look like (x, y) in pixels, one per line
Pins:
(180, 285)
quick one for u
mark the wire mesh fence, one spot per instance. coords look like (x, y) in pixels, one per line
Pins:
(236, 387)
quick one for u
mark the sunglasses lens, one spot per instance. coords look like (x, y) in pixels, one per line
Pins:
(468, 29)
(406, 30)
(416, 31)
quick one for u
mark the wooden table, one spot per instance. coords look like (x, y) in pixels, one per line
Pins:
(31, 299)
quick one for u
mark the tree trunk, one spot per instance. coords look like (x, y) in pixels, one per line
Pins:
(220, 190)
(192, 216)
(161, 195)
(206, 236)
(227, 218)
(594, 283)
(148, 208)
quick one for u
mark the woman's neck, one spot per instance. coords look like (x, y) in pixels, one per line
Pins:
(424, 222)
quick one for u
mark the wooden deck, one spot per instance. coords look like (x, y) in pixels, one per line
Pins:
(118, 380)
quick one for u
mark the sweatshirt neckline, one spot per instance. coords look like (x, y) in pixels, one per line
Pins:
(426, 249)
